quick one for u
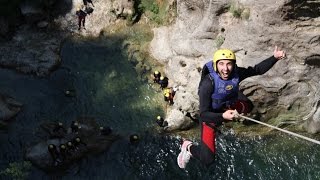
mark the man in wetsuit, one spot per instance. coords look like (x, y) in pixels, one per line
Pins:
(220, 100)
(156, 76)
(54, 154)
(164, 81)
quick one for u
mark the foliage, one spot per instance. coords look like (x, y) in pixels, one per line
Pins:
(245, 14)
(139, 35)
(238, 11)
(219, 41)
(156, 11)
(17, 170)
(235, 10)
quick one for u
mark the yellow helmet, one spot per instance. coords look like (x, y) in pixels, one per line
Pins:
(156, 72)
(222, 54)
(166, 91)
(158, 117)
(161, 78)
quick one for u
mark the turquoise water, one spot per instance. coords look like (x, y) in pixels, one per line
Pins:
(106, 88)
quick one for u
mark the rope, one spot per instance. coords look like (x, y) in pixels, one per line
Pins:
(283, 130)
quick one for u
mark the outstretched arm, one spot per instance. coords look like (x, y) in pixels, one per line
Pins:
(263, 66)
(279, 54)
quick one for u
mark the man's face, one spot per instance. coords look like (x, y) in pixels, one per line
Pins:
(225, 68)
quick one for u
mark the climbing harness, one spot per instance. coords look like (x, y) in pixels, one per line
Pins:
(283, 130)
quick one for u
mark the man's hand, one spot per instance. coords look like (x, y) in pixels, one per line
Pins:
(279, 54)
(229, 115)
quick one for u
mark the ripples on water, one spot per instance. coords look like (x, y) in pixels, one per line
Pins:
(107, 89)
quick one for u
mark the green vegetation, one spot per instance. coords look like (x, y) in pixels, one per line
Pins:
(136, 46)
(245, 14)
(219, 41)
(158, 12)
(17, 170)
(138, 39)
(138, 35)
(238, 11)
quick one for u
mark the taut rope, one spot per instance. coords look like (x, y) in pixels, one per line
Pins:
(283, 130)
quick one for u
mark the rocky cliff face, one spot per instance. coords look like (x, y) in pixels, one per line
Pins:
(288, 92)
(37, 38)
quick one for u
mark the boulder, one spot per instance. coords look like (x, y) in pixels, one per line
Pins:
(88, 131)
(9, 108)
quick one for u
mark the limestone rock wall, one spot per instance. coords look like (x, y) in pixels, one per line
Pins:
(287, 92)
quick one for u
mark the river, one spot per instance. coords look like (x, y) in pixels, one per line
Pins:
(107, 88)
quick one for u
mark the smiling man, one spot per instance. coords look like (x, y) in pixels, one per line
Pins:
(220, 98)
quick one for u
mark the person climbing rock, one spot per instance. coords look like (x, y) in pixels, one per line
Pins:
(70, 93)
(74, 126)
(221, 100)
(134, 138)
(163, 82)
(78, 143)
(172, 92)
(168, 94)
(54, 154)
(59, 128)
(63, 152)
(160, 121)
(81, 18)
(70, 147)
(156, 76)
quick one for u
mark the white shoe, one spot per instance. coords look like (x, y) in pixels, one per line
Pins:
(184, 155)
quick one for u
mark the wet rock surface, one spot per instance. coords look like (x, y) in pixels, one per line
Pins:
(288, 91)
(91, 141)
(9, 108)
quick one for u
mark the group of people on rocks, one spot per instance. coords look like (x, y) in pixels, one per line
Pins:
(168, 92)
(65, 151)
(83, 11)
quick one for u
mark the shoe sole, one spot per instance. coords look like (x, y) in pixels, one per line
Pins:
(183, 155)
